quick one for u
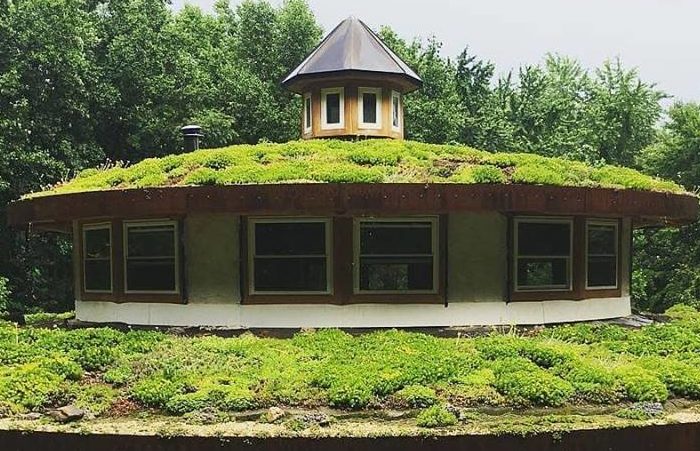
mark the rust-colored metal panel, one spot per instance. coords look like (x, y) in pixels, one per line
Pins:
(354, 199)
(676, 437)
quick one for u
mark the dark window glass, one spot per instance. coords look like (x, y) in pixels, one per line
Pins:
(150, 261)
(97, 263)
(307, 112)
(369, 108)
(290, 238)
(548, 273)
(333, 108)
(602, 255)
(290, 257)
(395, 111)
(396, 256)
(535, 238)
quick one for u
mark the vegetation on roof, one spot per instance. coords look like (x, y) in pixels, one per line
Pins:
(369, 161)
(439, 381)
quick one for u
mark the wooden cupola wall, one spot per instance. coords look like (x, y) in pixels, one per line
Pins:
(352, 85)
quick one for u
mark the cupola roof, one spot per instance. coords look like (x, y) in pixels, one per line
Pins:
(352, 47)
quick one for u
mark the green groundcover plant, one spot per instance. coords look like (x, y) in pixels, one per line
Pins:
(369, 161)
(582, 364)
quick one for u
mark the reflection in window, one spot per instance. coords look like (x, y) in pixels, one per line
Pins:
(307, 112)
(151, 257)
(369, 108)
(395, 109)
(290, 256)
(601, 252)
(97, 258)
(543, 254)
(396, 256)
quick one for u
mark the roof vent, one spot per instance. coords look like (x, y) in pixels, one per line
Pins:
(191, 135)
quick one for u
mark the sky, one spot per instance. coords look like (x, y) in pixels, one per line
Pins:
(661, 38)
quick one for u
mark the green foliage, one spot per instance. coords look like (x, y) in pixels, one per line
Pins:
(417, 396)
(529, 384)
(96, 398)
(4, 296)
(156, 391)
(641, 385)
(28, 386)
(372, 161)
(436, 416)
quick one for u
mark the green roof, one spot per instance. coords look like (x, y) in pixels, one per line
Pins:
(368, 161)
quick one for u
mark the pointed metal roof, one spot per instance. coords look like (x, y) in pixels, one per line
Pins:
(352, 46)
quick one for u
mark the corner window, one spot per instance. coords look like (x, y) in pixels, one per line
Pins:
(395, 110)
(369, 107)
(601, 254)
(543, 249)
(97, 258)
(396, 255)
(332, 108)
(289, 256)
(307, 112)
(151, 257)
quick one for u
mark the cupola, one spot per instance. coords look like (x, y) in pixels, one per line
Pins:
(352, 85)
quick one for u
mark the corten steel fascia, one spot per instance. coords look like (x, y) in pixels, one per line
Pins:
(351, 199)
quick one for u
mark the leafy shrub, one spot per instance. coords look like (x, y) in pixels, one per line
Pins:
(680, 378)
(155, 391)
(4, 295)
(416, 396)
(593, 382)
(63, 366)
(641, 385)
(351, 395)
(531, 385)
(94, 358)
(96, 398)
(435, 417)
(29, 386)
(183, 403)
(118, 375)
(231, 398)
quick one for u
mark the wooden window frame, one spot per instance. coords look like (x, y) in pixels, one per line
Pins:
(516, 256)
(377, 108)
(118, 294)
(308, 113)
(607, 223)
(579, 290)
(435, 242)
(324, 108)
(396, 95)
(250, 255)
(83, 257)
(176, 246)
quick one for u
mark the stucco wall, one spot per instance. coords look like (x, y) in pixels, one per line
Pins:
(212, 256)
(476, 257)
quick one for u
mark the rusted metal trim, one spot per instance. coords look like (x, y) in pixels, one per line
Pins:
(677, 437)
(355, 199)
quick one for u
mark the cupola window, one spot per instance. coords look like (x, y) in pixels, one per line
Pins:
(370, 104)
(395, 111)
(307, 113)
(333, 108)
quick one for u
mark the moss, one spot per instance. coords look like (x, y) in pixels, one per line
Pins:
(370, 161)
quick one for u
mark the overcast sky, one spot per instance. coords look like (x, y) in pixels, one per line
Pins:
(659, 37)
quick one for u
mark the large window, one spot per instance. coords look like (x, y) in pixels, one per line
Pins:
(332, 108)
(370, 107)
(307, 113)
(396, 256)
(151, 257)
(601, 254)
(543, 250)
(395, 110)
(97, 258)
(289, 256)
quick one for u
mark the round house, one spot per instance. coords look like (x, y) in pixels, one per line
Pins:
(362, 233)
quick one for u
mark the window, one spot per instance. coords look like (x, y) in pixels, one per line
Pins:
(97, 258)
(396, 255)
(370, 107)
(333, 108)
(289, 256)
(543, 254)
(151, 254)
(601, 254)
(395, 110)
(307, 112)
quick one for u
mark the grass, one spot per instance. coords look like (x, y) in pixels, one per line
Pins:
(369, 161)
(575, 366)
